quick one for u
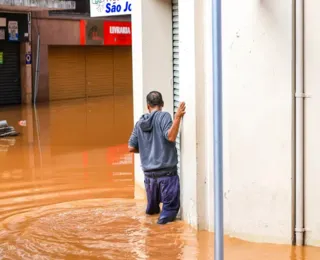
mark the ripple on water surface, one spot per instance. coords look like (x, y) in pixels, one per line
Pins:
(111, 229)
(119, 229)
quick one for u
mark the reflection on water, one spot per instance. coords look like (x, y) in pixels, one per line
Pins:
(67, 187)
(5, 143)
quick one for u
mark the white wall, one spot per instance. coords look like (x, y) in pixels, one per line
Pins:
(257, 126)
(204, 97)
(188, 87)
(312, 123)
(151, 57)
(257, 109)
(207, 123)
(257, 82)
(258, 120)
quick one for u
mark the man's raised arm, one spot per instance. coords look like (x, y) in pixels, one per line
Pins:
(172, 132)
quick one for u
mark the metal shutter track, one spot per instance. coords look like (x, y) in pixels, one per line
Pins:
(99, 71)
(10, 86)
(67, 72)
(175, 42)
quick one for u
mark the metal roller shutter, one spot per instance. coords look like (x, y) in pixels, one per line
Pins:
(10, 86)
(175, 37)
(122, 71)
(99, 71)
(67, 72)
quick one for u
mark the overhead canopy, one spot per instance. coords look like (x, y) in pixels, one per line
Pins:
(36, 5)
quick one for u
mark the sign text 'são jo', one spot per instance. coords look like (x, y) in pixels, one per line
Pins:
(100, 8)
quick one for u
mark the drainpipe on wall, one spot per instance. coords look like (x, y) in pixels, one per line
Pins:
(299, 114)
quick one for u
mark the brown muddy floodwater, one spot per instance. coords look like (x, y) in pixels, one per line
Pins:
(67, 189)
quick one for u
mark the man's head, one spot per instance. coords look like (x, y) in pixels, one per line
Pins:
(154, 101)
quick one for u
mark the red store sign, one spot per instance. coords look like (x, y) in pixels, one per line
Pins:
(117, 33)
(111, 33)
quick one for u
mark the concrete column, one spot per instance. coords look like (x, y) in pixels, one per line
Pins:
(190, 85)
(196, 90)
(206, 138)
(26, 74)
(152, 58)
(28, 133)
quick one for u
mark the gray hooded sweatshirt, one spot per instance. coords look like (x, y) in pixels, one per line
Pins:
(150, 138)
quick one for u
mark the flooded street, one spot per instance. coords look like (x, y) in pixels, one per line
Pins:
(67, 192)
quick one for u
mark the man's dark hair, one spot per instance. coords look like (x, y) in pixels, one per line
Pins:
(154, 98)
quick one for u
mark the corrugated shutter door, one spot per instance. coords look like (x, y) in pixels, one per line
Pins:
(99, 71)
(10, 87)
(175, 36)
(67, 75)
(122, 71)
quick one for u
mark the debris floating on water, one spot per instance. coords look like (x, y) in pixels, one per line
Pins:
(23, 123)
(6, 130)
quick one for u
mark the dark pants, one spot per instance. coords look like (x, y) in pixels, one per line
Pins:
(166, 190)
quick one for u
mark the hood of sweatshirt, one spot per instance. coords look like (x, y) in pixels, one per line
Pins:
(146, 121)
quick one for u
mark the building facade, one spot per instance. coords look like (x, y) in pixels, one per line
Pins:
(172, 53)
(14, 42)
(82, 57)
(15, 47)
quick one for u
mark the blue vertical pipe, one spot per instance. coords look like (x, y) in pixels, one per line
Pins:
(217, 126)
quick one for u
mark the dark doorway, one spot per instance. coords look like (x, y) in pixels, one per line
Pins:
(10, 84)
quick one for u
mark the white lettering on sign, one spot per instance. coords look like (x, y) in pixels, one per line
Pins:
(119, 30)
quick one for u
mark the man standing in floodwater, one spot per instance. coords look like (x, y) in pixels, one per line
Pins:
(154, 137)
